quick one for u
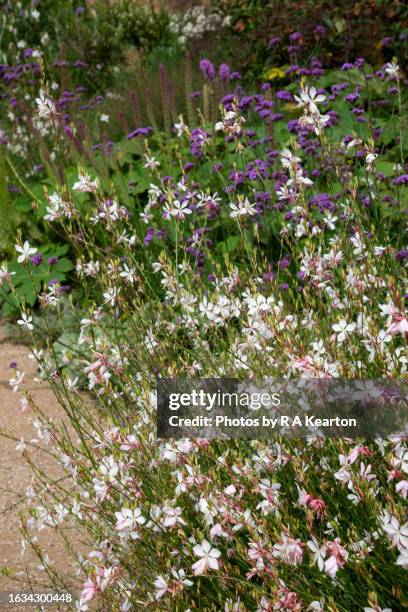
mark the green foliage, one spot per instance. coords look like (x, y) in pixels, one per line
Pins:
(28, 279)
(352, 29)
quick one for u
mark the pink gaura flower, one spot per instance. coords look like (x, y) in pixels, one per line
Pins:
(399, 325)
(338, 557)
(89, 590)
(289, 550)
(402, 488)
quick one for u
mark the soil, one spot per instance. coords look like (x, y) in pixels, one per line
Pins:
(16, 476)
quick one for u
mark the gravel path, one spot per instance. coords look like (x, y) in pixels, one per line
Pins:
(15, 475)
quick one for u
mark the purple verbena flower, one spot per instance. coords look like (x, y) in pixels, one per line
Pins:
(275, 40)
(401, 180)
(36, 259)
(401, 255)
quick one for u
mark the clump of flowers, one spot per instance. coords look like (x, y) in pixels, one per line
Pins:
(269, 242)
(196, 22)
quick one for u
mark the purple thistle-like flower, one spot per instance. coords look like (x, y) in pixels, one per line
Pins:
(295, 37)
(207, 69)
(320, 30)
(52, 260)
(227, 99)
(274, 41)
(386, 41)
(293, 48)
(224, 72)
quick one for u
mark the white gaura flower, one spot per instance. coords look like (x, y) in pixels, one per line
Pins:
(151, 163)
(161, 587)
(208, 558)
(342, 329)
(26, 251)
(180, 576)
(392, 69)
(309, 98)
(109, 469)
(242, 208)
(72, 383)
(316, 120)
(111, 295)
(84, 184)
(403, 558)
(172, 515)
(318, 553)
(289, 160)
(25, 322)
(298, 178)
(180, 210)
(330, 221)
(56, 207)
(128, 519)
(317, 606)
(5, 275)
(21, 445)
(370, 158)
(45, 107)
(180, 127)
(397, 534)
(16, 381)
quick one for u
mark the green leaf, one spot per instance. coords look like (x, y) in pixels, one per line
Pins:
(229, 245)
